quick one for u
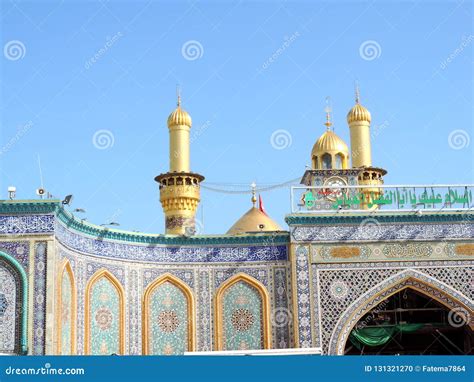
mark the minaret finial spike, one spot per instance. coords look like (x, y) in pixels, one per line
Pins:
(178, 95)
(357, 92)
(328, 111)
(254, 193)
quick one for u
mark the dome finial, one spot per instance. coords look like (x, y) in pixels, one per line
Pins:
(357, 92)
(178, 95)
(328, 111)
(254, 193)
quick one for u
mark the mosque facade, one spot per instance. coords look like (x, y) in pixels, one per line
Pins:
(361, 268)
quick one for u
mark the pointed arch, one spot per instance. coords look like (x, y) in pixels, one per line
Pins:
(66, 269)
(99, 275)
(190, 303)
(219, 308)
(21, 308)
(410, 278)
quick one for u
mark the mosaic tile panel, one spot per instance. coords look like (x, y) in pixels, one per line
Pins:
(9, 319)
(104, 318)
(169, 254)
(340, 285)
(168, 320)
(407, 278)
(204, 332)
(281, 315)
(367, 232)
(66, 314)
(81, 286)
(242, 314)
(39, 320)
(20, 250)
(303, 296)
(26, 224)
(134, 306)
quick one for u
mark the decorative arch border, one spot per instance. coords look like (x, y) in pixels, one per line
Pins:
(94, 278)
(65, 266)
(181, 285)
(409, 278)
(219, 321)
(24, 311)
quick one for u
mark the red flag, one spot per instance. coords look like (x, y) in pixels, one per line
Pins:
(260, 204)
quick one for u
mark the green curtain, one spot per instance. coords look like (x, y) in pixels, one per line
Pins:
(380, 335)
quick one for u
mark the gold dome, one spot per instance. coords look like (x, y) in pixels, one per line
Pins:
(179, 117)
(253, 220)
(329, 143)
(358, 113)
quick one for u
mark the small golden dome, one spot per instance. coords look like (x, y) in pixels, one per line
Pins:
(358, 113)
(179, 117)
(253, 220)
(329, 143)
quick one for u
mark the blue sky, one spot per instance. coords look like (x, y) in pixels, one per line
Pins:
(248, 70)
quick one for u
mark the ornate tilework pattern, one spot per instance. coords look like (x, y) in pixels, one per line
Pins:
(222, 274)
(117, 271)
(340, 285)
(20, 250)
(134, 314)
(407, 278)
(104, 318)
(151, 274)
(168, 320)
(242, 313)
(361, 232)
(81, 286)
(303, 296)
(281, 314)
(39, 321)
(163, 253)
(9, 321)
(66, 314)
(204, 333)
(26, 224)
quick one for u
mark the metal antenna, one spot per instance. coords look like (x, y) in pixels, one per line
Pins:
(40, 171)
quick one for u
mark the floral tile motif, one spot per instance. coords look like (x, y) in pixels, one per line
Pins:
(168, 320)
(104, 318)
(242, 313)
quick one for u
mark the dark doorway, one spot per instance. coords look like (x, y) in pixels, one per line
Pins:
(410, 322)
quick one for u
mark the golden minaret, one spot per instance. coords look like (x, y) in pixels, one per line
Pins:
(359, 119)
(179, 187)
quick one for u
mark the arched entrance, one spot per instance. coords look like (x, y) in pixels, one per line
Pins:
(410, 322)
(13, 306)
(429, 287)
